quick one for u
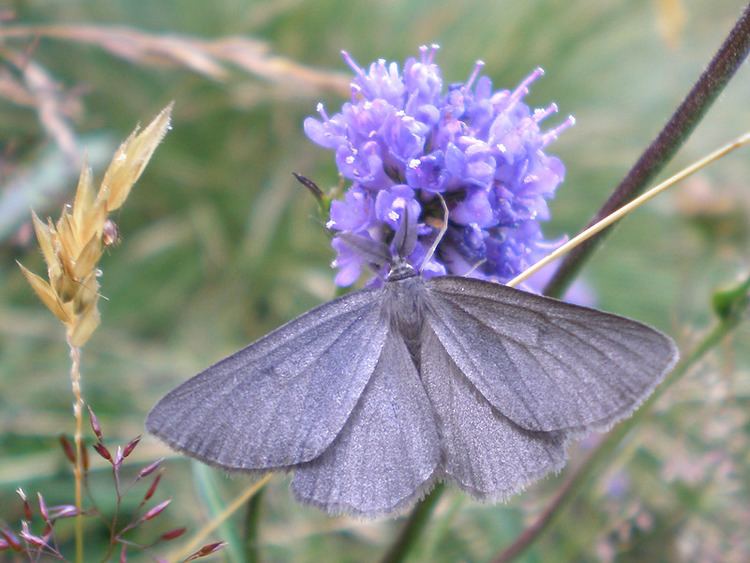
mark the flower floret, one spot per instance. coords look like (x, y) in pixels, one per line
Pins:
(404, 138)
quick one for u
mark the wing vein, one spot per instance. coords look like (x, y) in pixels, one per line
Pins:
(458, 341)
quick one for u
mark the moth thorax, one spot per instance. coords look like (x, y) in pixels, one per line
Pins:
(400, 271)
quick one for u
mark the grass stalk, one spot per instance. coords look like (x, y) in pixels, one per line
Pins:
(75, 381)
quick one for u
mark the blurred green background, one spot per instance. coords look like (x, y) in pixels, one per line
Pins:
(221, 245)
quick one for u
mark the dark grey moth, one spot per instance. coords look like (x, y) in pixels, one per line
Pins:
(373, 397)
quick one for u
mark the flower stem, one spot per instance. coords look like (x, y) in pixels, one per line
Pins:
(75, 381)
(413, 527)
(720, 70)
(603, 451)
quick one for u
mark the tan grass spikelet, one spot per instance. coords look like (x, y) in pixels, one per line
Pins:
(130, 160)
(73, 245)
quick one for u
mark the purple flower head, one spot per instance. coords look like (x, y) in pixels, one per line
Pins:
(404, 137)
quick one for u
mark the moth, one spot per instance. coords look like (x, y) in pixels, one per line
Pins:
(375, 396)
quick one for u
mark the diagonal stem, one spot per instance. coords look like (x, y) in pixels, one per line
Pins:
(686, 117)
(181, 553)
(628, 208)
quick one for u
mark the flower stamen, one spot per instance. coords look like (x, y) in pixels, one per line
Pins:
(478, 66)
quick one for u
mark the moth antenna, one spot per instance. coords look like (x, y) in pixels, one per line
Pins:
(405, 237)
(439, 237)
(628, 207)
(474, 267)
(400, 235)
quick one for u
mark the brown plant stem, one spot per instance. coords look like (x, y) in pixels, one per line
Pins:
(75, 381)
(686, 117)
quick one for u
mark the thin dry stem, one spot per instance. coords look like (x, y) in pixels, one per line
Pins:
(615, 216)
(201, 535)
(214, 59)
(46, 97)
(75, 381)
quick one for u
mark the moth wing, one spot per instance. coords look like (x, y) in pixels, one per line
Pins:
(545, 364)
(283, 399)
(387, 455)
(484, 453)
